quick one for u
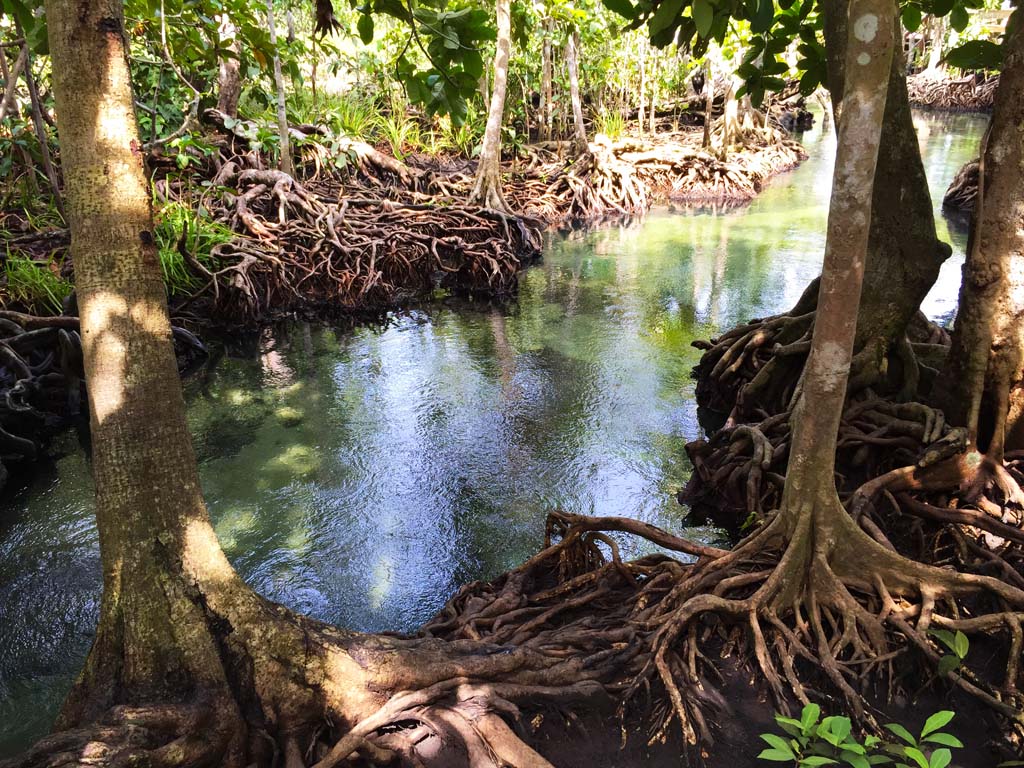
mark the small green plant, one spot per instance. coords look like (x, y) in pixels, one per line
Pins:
(355, 117)
(400, 132)
(37, 286)
(202, 234)
(611, 124)
(958, 645)
(813, 741)
(465, 138)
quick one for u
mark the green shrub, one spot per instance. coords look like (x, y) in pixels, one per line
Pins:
(401, 132)
(812, 741)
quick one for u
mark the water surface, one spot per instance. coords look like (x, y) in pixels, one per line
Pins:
(361, 476)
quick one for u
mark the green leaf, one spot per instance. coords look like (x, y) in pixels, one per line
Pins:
(936, 721)
(365, 27)
(809, 716)
(947, 664)
(857, 761)
(762, 20)
(917, 756)
(622, 7)
(903, 733)
(975, 54)
(776, 756)
(788, 724)
(665, 16)
(940, 758)
(961, 645)
(703, 16)
(839, 728)
(958, 18)
(912, 18)
(818, 760)
(777, 742)
(946, 739)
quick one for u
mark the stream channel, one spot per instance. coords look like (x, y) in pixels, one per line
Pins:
(362, 475)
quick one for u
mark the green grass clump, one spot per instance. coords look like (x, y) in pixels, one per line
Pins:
(34, 285)
(202, 235)
(611, 124)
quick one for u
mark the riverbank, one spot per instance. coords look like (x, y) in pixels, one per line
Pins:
(241, 244)
(972, 93)
(363, 475)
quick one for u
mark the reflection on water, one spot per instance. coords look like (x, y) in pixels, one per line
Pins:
(362, 476)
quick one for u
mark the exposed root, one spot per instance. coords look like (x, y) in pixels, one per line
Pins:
(972, 93)
(962, 190)
(41, 380)
(577, 627)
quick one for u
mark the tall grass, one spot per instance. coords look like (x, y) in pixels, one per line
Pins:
(202, 234)
(611, 123)
(401, 132)
(34, 285)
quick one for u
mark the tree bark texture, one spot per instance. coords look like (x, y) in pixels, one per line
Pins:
(487, 189)
(904, 253)
(985, 364)
(282, 113)
(579, 137)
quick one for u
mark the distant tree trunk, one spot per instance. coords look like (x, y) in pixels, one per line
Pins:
(709, 103)
(282, 112)
(731, 116)
(654, 102)
(980, 387)
(487, 189)
(546, 94)
(936, 35)
(229, 81)
(642, 54)
(579, 137)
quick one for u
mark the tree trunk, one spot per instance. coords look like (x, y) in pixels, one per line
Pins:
(579, 136)
(229, 81)
(979, 388)
(819, 407)
(709, 103)
(936, 34)
(731, 116)
(654, 102)
(147, 489)
(546, 93)
(642, 56)
(286, 164)
(487, 189)
(904, 253)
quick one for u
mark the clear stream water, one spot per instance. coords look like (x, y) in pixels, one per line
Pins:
(361, 476)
